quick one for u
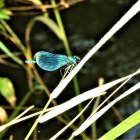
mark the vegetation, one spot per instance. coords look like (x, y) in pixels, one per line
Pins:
(40, 11)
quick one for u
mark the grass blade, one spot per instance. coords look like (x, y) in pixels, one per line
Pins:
(123, 127)
(10, 54)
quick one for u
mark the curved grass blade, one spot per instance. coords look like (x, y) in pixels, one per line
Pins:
(48, 22)
(10, 54)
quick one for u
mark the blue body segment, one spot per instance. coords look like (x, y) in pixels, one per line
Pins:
(50, 62)
(30, 61)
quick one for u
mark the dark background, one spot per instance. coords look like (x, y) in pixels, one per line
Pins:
(85, 23)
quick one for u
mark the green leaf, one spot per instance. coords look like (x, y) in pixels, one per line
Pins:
(4, 14)
(10, 54)
(2, 3)
(48, 22)
(123, 127)
(2, 28)
(7, 90)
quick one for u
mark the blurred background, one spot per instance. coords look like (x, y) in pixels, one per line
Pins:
(22, 34)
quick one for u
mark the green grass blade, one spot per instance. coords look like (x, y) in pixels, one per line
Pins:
(7, 90)
(10, 54)
(48, 22)
(11, 32)
(123, 127)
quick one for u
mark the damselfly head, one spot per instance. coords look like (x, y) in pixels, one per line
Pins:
(73, 59)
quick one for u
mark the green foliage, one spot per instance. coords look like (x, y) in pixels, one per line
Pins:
(123, 127)
(4, 12)
(48, 22)
(10, 54)
(2, 28)
(7, 90)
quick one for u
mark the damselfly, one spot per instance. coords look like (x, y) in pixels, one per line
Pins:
(51, 62)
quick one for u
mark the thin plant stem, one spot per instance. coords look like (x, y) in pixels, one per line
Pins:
(18, 41)
(96, 104)
(17, 110)
(62, 31)
(36, 122)
(68, 51)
